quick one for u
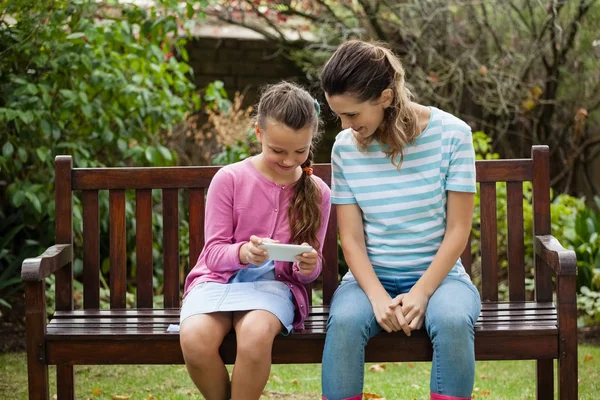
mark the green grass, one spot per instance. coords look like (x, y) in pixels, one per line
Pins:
(493, 380)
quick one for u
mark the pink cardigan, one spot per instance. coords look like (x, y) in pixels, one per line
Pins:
(242, 202)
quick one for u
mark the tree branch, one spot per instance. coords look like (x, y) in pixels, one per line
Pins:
(573, 29)
(269, 22)
(486, 22)
(331, 12)
(372, 17)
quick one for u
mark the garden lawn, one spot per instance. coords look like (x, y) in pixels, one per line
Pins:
(493, 380)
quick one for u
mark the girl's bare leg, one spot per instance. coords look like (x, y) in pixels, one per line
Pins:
(255, 332)
(200, 337)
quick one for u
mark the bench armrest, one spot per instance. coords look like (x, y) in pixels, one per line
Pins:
(561, 260)
(54, 258)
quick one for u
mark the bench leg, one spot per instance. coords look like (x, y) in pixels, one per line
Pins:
(65, 383)
(35, 318)
(567, 343)
(545, 379)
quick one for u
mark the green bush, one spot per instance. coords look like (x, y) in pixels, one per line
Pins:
(98, 82)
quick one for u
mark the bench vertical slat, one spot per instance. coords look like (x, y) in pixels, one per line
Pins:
(541, 217)
(143, 244)
(330, 272)
(91, 251)
(63, 198)
(543, 278)
(171, 247)
(196, 206)
(516, 251)
(489, 242)
(118, 251)
(466, 256)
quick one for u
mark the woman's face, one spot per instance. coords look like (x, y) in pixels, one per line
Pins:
(362, 117)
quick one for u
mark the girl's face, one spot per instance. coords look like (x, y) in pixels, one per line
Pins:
(362, 117)
(284, 149)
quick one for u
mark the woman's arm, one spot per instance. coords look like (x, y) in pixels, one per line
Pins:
(459, 218)
(352, 236)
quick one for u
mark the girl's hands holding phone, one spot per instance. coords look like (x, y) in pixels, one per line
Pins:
(250, 253)
(307, 262)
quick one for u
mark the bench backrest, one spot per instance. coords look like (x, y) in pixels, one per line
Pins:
(192, 182)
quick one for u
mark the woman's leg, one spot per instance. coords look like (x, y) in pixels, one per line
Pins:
(201, 336)
(450, 320)
(350, 326)
(254, 332)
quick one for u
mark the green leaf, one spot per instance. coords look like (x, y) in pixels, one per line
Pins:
(151, 154)
(42, 153)
(23, 156)
(45, 127)
(75, 35)
(8, 150)
(165, 153)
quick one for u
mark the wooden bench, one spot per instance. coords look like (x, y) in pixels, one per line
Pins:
(542, 330)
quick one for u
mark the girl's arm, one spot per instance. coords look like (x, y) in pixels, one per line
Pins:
(459, 218)
(221, 252)
(352, 236)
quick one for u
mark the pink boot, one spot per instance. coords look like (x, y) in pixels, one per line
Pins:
(435, 396)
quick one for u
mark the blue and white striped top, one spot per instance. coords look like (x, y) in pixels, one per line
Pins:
(404, 211)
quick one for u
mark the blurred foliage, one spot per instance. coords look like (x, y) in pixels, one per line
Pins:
(97, 81)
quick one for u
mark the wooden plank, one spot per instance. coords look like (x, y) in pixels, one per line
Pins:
(515, 170)
(170, 214)
(300, 348)
(142, 178)
(143, 244)
(63, 200)
(541, 217)
(516, 251)
(118, 251)
(330, 272)
(91, 250)
(196, 220)
(489, 243)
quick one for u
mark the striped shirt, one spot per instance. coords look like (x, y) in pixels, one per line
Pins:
(404, 211)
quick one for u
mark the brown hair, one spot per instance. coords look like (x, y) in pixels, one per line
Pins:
(364, 70)
(290, 104)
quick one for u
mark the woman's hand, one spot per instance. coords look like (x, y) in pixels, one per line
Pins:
(250, 253)
(307, 262)
(388, 318)
(412, 307)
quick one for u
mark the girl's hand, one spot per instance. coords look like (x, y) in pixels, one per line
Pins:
(412, 306)
(389, 319)
(250, 253)
(307, 262)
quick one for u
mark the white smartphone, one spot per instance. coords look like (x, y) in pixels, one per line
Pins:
(284, 252)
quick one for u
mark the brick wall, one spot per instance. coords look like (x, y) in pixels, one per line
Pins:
(246, 65)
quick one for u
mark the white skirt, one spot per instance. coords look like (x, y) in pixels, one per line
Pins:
(269, 295)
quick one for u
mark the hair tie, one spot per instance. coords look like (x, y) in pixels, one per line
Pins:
(317, 107)
(308, 170)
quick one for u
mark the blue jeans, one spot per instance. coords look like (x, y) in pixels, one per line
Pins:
(450, 318)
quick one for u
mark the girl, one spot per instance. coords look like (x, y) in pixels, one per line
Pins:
(270, 197)
(403, 182)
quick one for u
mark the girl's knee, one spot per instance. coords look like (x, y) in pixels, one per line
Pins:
(255, 340)
(198, 343)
